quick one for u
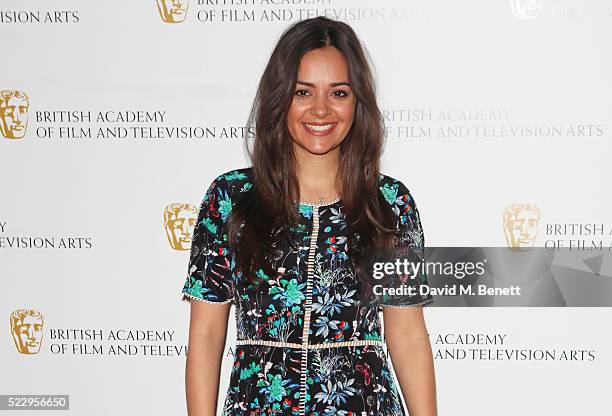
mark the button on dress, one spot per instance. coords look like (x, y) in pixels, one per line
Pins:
(306, 342)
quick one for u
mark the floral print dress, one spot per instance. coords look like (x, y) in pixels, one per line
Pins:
(306, 343)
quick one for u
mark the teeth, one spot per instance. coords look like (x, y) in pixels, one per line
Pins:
(319, 128)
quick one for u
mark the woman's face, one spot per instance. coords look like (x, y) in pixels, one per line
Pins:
(323, 105)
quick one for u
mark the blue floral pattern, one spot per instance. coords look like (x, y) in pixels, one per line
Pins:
(270, 380)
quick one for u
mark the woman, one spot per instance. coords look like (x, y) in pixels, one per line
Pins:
(287, 242)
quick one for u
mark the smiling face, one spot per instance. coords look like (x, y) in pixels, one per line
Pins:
(323, 106)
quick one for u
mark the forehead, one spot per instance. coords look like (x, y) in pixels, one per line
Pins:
(324, 65)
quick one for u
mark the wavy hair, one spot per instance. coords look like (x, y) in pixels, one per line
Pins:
(267, 211)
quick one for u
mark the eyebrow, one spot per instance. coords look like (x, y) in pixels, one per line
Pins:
(333, 84)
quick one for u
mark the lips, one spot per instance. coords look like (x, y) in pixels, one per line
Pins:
(319, 129)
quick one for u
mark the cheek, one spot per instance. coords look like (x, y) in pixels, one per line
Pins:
(346, 111)
(291, 123)
(297, 110)
(294, 117)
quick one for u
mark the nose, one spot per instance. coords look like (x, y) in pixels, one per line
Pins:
(319, 106)
(17, 116)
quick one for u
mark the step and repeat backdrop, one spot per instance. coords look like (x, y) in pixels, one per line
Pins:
(116, 116)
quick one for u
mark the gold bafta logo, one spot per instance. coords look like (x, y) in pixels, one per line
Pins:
(172, 11)
(526, 9)
(179, 222)
(521, 225)
(14, 107)
(27, 330)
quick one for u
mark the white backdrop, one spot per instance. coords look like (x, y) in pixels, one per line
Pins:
(488, 103)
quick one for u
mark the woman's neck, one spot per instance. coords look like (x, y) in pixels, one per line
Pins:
(317, 175)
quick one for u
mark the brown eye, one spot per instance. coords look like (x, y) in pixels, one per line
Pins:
(342, 93)
(300, 91)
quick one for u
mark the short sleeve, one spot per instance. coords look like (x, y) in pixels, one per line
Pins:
(209, 273)
(409, 245)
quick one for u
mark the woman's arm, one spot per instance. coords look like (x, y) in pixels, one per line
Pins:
(207, 333)
(410, 351)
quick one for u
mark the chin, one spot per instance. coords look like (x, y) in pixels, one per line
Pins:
(317, 149)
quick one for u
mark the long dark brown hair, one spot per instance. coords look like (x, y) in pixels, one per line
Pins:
(270, 206)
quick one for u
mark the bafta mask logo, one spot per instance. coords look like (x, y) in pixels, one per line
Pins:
(14, 113)
(27, 330)
(526, 9)
(521, 225)
(179, 222)
(172, 11)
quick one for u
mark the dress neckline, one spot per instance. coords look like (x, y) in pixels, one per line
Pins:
(320, 204)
